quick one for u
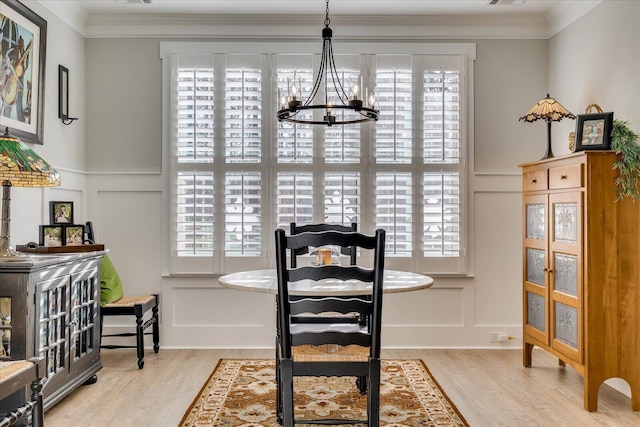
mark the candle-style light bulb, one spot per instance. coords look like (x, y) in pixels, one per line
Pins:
(356, 91)
(372, 99)
(294, 91)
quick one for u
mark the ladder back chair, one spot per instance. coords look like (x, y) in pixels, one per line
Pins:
(114, 303)
(330, 317)
(315, 350)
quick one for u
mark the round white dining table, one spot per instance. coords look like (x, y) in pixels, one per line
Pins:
(266, 281)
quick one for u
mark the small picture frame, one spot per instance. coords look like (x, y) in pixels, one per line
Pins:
(61, 212)
(51, 235)
(593, 131)
(74, 235)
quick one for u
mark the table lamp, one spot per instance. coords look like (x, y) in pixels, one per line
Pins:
(20, 166)
(551, 111)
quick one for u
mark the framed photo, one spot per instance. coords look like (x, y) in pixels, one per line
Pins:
(24, 42)
(593, 131)
(73, 235)
(61, 212)
(51, 235)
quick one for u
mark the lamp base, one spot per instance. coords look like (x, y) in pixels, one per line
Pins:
(549, 153)
(9, 254)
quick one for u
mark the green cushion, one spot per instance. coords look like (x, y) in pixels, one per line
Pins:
(110, 284)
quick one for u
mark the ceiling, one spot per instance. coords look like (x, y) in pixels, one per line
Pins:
(305, 7)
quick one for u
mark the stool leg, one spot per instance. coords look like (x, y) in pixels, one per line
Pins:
(156, 327)
(140, 340)
(37, 415)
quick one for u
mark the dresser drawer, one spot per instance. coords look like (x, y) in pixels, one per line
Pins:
(565, 177)
(536, 180)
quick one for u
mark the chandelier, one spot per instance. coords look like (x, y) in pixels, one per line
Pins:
(352, 108)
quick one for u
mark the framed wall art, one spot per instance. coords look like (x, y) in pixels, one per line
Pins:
(593, 131)
(61, 213)
(24, 42)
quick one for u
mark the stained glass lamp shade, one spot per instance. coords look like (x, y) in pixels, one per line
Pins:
(549, 110)
(20, 166)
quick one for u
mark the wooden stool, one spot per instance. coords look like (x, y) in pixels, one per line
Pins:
(136, 306)
(15, 375)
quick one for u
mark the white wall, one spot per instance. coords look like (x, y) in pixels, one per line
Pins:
(63, 146)
(126, 182)
(120, 185)
(597, 60)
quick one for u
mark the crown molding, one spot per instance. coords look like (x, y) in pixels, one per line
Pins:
(566, 13)
(394, 27)
(69, 12)
(305, 26)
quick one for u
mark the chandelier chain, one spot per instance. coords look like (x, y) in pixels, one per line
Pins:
(327, 21)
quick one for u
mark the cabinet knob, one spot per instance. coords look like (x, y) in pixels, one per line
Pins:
(533, 181)
(563, 177)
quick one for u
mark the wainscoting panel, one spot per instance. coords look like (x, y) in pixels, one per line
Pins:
(128, 222)
(457, 312)
(425, 308)
(498, 287)
(220, 308)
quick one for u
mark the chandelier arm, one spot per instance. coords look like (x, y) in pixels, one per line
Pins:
(344, 98)
(319, 78)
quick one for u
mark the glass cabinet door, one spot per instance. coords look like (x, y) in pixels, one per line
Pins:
(535, 260)
(85, 288)
(565, 284)
(51, 340)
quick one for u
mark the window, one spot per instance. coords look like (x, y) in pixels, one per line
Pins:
(237, 174)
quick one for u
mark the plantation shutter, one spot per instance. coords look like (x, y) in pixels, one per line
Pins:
(237, 173)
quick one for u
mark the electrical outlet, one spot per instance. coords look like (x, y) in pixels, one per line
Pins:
(499, 337)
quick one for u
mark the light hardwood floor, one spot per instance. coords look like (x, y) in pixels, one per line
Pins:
(489, 387)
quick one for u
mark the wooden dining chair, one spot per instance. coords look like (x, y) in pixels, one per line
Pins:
(312, 350)
(16, 375)
(330, 317)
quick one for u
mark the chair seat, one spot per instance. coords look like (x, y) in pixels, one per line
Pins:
(330, 352)
(13, 368)
(130, 301)
(137, 305)
(16, 375)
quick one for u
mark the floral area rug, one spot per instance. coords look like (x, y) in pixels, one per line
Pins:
(242, 393)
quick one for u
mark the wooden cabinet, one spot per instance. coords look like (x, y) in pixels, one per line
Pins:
(50, 308)
(581, 270)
